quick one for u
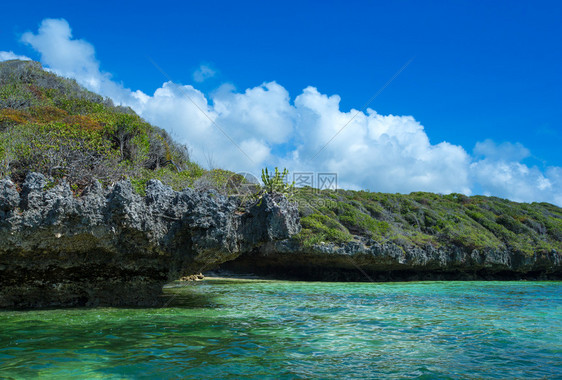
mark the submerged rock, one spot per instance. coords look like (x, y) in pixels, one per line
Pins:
(114, 247)
(193, 277)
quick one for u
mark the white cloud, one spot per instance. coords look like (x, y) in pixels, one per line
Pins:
(9, 55)
(502, 152)
(66, 56)
(203, 73)
(74, 58)
(500, 172)
(381, 153)
(377, 152)
(262, 112)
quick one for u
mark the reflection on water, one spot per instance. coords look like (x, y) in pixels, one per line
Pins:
(268, 329)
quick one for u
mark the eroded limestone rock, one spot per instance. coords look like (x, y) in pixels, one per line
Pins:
(114, 247)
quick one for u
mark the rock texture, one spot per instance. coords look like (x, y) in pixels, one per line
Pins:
(367, 260)
(114, 247)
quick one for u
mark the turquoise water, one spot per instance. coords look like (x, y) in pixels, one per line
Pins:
(260, 329)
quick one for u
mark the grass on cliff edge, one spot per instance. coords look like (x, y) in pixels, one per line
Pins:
(51, 125)
(422, 219)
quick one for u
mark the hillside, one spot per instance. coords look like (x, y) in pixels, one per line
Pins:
(425, 219)
(53, 126)
(363, 236)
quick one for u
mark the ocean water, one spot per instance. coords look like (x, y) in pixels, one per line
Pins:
(274, 329)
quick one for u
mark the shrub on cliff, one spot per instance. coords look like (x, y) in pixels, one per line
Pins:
(52, 125)
(276, 182)
(426, 219)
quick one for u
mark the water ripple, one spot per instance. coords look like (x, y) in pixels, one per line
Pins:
(229, 329)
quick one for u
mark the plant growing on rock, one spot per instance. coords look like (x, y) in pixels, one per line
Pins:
(277, 182)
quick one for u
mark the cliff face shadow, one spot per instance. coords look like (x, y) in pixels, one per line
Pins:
(185, 297)
(180, 296)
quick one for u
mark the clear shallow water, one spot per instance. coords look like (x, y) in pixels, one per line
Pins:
(253, 329)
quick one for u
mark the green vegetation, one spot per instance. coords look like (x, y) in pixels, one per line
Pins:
(51, 125)
(422, 219)
(277, 182)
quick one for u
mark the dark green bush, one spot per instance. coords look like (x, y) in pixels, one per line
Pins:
(52, 125)
(421, 219)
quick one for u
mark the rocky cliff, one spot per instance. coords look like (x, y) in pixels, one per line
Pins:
(363, 236)
(367, 260)
(114, 247)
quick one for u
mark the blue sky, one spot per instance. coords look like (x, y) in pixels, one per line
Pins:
(486, 78)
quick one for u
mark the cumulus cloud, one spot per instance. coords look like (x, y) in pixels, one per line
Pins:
(9, 55)
(246, 130)
(203, 73)
(73, 58)
(63, 53)
(498, 170)
(503, 152)
(264, 112)
(381, 153)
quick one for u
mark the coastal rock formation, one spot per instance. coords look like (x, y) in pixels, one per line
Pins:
(368, 236)
(367, 260)
(115, 247)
